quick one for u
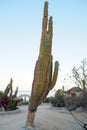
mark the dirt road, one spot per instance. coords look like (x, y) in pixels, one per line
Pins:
(47, 118)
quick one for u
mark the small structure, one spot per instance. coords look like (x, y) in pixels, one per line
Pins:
(75, 91)
(25, 98)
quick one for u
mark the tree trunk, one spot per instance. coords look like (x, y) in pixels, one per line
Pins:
(30, 118)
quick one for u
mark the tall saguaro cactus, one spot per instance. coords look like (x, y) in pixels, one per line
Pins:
(44, 79)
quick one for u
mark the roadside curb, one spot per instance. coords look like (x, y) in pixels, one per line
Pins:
(10, 112)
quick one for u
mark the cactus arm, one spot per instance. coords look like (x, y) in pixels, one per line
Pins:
(45, 20)
(11, 88)
(52, 82)
(7, 89)
(44, 30)
(16, 91)
(55, 75)
(50, 30)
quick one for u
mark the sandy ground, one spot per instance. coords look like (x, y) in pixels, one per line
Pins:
(47, 118)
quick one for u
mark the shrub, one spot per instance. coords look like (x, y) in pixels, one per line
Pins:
(73, 102)
(58, 100)
(1, 94)
(12, 105)
(4, 102)
(47, 100)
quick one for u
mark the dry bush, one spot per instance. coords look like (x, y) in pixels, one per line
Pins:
(73, 102)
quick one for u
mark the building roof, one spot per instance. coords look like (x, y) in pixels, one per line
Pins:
(75, 89)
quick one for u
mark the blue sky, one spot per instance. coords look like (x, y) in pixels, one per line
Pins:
(20, 32)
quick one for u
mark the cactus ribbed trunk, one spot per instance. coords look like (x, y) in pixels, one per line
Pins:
(44, 79)
(30, 118)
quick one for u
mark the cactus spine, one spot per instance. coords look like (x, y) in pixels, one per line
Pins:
(44, 79)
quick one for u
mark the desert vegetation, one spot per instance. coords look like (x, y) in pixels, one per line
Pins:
(77, 97)
(44, 77)
(8, 99)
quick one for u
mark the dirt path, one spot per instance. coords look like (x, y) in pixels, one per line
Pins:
(47, 118)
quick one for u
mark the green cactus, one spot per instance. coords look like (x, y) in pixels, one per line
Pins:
(16, 92)
(44, 79)
(9, 96)
(11, 87)
(7, 89)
